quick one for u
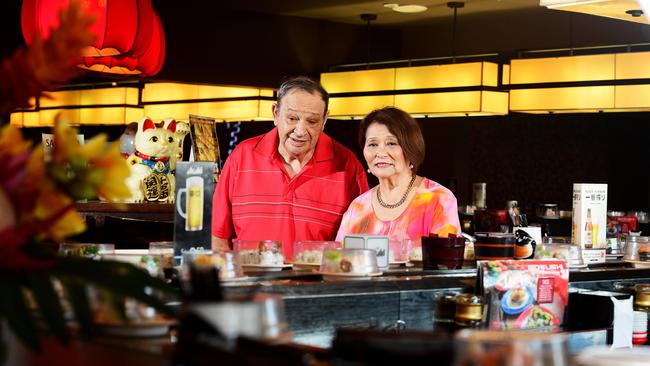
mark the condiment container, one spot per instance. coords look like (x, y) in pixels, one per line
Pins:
(469, 310)
(642, 297)
(548, 211)
(349, 261)
(439, 251)
(259, 252)
(494, 246)
(311, 252)
(634, 244)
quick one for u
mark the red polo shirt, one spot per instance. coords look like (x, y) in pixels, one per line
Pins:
(256, 199)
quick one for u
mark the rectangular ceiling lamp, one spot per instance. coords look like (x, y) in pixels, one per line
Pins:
(224, 103)
(447, 76)
(110, 115)
(563, 69)
(87, 106)
(611, 83)
(464, 103)
(358, 81)
(347, 89)
(109, 96)
(633, 65)
(563, 100)
(357, 107)
(437, 90)
(21, 115)
(60, 99)
(25, 119)
(180, 111)
(467, 82)
(567, 98)
(606, 8)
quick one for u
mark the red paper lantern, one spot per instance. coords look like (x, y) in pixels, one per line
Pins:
(148, 64)
(122, 27)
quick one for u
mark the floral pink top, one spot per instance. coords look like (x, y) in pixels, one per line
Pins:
(433, 210)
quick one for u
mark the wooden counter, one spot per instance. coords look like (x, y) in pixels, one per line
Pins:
(145, 211)
(130, 228)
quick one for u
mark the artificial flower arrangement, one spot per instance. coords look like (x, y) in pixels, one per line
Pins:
(37, 203)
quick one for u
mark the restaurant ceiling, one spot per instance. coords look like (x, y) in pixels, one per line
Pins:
(348, 11)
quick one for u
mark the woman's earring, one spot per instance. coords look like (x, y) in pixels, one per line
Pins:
(411, 166)
(368, 170)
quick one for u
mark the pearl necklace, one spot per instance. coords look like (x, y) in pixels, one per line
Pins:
(399, 203)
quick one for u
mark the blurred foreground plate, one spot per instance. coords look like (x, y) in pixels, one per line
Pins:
(155, 328)
(605, 356)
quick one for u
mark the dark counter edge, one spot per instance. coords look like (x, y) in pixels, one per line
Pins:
(296, 284)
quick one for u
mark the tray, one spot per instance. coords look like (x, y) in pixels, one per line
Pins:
(305, 265)
(264, 268)
(331, 276)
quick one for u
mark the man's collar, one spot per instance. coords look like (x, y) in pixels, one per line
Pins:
(268, 146)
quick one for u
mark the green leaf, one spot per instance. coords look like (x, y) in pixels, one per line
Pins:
(120, 278)
(48, 304)
(78, 298)
(14, 308)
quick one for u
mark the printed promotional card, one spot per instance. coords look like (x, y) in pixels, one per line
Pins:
(205, 144)
(48, 144)
(589, 215)
(194, 189)
(522, 294)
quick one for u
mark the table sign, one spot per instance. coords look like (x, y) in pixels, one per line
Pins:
(522, 294)
(193, 212)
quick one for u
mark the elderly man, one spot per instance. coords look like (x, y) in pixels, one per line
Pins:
(292, 183)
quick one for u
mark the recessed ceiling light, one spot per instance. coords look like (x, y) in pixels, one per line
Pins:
(406, 8)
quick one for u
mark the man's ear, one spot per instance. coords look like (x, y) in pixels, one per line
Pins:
(327, 114)
(275, 109)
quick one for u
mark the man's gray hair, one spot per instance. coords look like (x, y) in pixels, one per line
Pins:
(309, 85)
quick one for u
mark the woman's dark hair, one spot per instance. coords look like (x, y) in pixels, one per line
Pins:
(403, 126)
(309, 85)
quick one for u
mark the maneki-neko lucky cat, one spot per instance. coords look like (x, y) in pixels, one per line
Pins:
(152, 176)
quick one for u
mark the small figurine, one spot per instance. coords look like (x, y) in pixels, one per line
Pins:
(182, 129)
(152, 177)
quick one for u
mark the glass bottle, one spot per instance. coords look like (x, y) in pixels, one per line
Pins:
(589, 237)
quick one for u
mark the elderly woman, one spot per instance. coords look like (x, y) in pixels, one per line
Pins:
(403, 205)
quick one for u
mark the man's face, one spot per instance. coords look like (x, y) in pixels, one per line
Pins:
(300, 118)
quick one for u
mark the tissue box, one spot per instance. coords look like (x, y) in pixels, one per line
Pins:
(378, 243)
(592, 310)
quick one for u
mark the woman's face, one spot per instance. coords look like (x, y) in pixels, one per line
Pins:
(383, 153)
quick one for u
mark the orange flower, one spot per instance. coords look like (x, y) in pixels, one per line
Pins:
(90, 170)
(113, 187)
(12, 142)
(50, 204)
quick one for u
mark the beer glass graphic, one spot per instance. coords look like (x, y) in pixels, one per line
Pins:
(193, 213)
